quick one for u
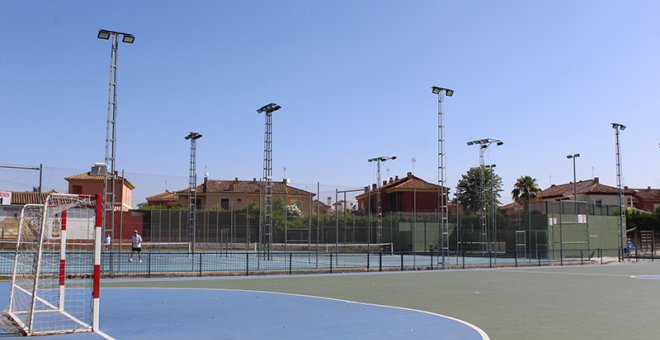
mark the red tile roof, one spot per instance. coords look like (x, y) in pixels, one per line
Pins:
(236, 186)
(587, 187)
(648, 194)
(165, 196)
(23, 198)
(86, 176)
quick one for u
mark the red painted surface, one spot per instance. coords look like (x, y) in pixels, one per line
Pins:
(96, 293)
(63, 220)
(62, 271)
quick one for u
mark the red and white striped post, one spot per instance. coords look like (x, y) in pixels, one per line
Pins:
(97, 263)
(62, 259)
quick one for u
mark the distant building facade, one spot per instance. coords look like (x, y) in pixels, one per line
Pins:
(407, 194)
(237, 195)
(91, 183)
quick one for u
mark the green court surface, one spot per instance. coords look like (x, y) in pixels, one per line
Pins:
(569, 302)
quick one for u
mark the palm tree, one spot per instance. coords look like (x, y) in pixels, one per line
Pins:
(526, 189)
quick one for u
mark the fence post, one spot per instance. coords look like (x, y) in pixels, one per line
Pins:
(330, 262)
(380, 261)
(247, 264)
(290, 262)
(200, 264)
(581, 257)
(538, 258)
(431, 260)
(149, 265)
(401, 261)
(368, 261)
(515, 255)
(463, 257)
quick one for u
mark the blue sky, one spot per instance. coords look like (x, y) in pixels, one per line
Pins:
(546, 77)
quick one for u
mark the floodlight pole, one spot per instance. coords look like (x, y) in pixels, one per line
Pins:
(267, 233)
(443, 208)
(493, 209)
(192, 191)
(379, 206)
(111, 130)
(619, 182)
(483, 145)
(573, 157)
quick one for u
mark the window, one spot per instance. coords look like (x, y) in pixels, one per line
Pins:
(224, 203)
(599, 203)
(76, 189)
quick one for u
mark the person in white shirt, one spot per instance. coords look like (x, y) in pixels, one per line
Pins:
(137, 246)
(108, 241)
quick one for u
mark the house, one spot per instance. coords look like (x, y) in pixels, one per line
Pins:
(91, 183)
(646, 199)
(590, 191)
(166, 199)
(320, 208)
(407, 194)
(238, 194)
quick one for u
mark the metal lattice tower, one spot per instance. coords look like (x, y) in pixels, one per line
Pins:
(111, 130)
(619, 183)
(483, 219)
(443, 208)
(192, 190)
(267, 234)
(379, 205)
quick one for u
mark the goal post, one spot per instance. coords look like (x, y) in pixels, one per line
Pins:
(56, 276)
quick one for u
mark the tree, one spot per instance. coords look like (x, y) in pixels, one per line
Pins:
(525, 189)
(469, 185)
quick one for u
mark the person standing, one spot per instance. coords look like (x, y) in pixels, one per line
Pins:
(137, 246)
(108, 241)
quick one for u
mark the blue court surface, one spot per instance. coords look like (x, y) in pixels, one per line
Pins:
(171, 313)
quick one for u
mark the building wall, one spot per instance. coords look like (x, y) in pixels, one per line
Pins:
(123, 195)
(239, 201)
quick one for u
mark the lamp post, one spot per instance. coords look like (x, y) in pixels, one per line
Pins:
(111, 129)
(483, 145)
(491, 167)
(443, 210)
(573, 157)
(619, 182)
(192, 191)
(379, 207)
(267, 235)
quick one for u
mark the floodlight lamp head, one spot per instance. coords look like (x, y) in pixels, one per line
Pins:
(104, 34)
(470, 143)
(193, 136)
(618, 126)
(435, 89)
(268, 109)
(393, 157)
(499, 142)
(128, 38)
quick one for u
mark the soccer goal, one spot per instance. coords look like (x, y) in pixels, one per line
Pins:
(56, 276)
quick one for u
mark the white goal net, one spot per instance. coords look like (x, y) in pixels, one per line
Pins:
(55, 282)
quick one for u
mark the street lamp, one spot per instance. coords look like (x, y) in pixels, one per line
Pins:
(619, 182)
(573, 157)
(111, 129)
(483, 145)
(192, 190)
(379, 208)
(443, 210)
(267, 235)
(491, 167)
